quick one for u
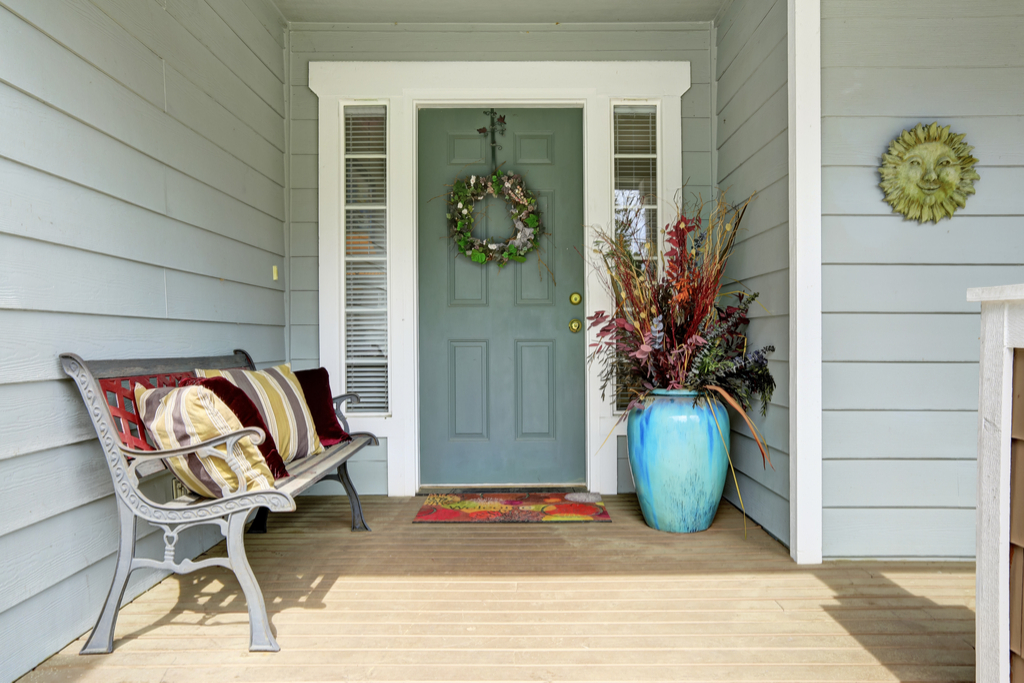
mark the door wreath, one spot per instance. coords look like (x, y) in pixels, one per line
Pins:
(523, 211)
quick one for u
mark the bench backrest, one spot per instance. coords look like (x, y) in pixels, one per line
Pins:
(107, 389)
(120, 395)
(117, 380)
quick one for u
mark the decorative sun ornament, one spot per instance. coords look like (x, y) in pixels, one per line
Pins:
(928, 173)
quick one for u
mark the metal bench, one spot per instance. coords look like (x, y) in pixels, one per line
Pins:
(106, 388)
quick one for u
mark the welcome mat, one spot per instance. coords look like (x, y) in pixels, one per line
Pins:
(513, 507)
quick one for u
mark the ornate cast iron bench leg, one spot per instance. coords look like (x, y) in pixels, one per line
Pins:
(358, 523)
(101, 640)
(260, 637)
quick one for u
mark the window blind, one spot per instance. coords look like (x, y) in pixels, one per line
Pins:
(635, 157)
(636, 174)
(365, 257)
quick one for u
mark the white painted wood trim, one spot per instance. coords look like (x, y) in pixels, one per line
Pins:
(1002, 330)
(410, 86)
(999, 293)
(286, 268)
(805, 446)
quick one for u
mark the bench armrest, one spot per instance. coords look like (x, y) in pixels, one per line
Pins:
(257, 434)
(206, 448)
(339, 401)
(354, 398)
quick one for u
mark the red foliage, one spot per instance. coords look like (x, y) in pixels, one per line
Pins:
(659, 314)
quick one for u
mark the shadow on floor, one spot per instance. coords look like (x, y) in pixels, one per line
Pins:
(905, 631)
(560, 595)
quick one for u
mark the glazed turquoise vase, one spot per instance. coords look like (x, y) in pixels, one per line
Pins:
(678, 459)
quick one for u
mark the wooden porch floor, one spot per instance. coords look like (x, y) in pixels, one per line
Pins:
(530, 602)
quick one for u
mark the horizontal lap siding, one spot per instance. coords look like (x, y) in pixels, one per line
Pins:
(142, 186)
(900, 342)
(751, 121)
(469, 42)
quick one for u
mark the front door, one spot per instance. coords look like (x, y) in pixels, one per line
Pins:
(501, 373)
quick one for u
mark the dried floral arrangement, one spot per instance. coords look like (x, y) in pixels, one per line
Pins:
(522, 209)
(674, 327)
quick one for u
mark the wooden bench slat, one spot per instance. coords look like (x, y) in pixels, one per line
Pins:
(320, 465)
(304, 473)
(148, 469)
(297, 467)
(105, 369)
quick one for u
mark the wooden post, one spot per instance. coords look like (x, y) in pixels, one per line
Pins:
(805, 448)
(1002, 330)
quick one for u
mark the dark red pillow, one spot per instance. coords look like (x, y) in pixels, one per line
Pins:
(316, 385)
(246, 412)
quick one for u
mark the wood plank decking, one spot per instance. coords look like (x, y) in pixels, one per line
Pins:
(573, 602)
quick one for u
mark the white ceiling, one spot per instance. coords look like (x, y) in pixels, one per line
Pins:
(497, 11)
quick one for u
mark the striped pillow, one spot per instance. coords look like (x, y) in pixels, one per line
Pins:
(279, 398)
(182, 416)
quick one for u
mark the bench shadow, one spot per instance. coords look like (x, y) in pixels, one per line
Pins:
(214, 595)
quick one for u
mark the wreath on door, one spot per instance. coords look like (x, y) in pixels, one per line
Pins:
(522, 209)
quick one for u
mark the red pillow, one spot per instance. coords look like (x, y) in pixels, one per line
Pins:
(246, 412)
(316, 385)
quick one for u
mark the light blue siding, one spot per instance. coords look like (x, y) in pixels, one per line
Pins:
(751, 137)
(142, 180)
(900, 342)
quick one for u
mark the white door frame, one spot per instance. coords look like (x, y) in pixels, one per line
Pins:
(407, 87)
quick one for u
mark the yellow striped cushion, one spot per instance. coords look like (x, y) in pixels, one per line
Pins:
(279, 398)
(182, 416)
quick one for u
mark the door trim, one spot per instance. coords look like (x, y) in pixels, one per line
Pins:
(407, 87)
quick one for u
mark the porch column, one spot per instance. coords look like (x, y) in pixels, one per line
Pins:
(805, 446)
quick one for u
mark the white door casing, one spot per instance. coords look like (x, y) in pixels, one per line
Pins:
(407, 87)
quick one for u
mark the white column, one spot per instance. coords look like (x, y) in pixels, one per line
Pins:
(805, 280)
(1002, 331)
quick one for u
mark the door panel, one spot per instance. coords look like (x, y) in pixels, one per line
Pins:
(501, 375)
(537, 288)
(467, 390)
(535, 389)
(467, 282)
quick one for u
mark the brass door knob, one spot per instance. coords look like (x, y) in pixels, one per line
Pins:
(575, 325)
(575, 298)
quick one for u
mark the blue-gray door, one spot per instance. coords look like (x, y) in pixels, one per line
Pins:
(501, 373)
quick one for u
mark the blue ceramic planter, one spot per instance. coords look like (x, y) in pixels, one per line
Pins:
(678, 459)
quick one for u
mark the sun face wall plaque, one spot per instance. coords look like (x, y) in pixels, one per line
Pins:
(928, 173)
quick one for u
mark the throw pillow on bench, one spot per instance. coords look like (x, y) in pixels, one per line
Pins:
(247, 413)
(278, 397)
(187, 415)
(316, 387)
(295, 407)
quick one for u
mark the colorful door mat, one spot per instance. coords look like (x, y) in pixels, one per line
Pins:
(513, 507)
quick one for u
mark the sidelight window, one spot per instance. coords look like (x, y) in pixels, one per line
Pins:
(365, 260)
(636, 175)
(635, 156)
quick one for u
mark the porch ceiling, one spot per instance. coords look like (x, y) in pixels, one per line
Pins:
(476, 12)
(613, 602)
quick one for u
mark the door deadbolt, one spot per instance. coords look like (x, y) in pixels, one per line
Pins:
(575, 325)
(575, 298)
